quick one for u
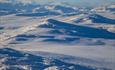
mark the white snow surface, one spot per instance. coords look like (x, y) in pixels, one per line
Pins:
(103, 54)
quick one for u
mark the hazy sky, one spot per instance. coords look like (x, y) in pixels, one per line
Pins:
(73, 2)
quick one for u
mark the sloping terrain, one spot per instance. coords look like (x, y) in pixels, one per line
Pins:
(96, 18)
(11, 59)
(86, 37)
(100, 19)
(79, 30)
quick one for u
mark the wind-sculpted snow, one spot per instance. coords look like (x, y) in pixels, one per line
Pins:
(65, 9)
(100, 19)
(76, 30)
(50, 13)
(21, 9)
(11, 59)
(111, 8)
(62, 32)
(9, 8)
(85, 35)
(45, 11)
(96, 18)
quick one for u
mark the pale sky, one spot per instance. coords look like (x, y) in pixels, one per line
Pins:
(73, 2)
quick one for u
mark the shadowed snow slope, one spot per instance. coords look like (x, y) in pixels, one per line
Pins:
(76, 30)
(10, 8)
(11, 59)
(96, 18)
(46, 13)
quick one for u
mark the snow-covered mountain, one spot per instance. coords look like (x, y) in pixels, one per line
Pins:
(76, 31)
(11, 8)
(11, 59)
(34, 9)
(60, 32)
(96, 18)
(85, 35)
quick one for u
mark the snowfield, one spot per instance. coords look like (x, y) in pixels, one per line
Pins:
(70, 40)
